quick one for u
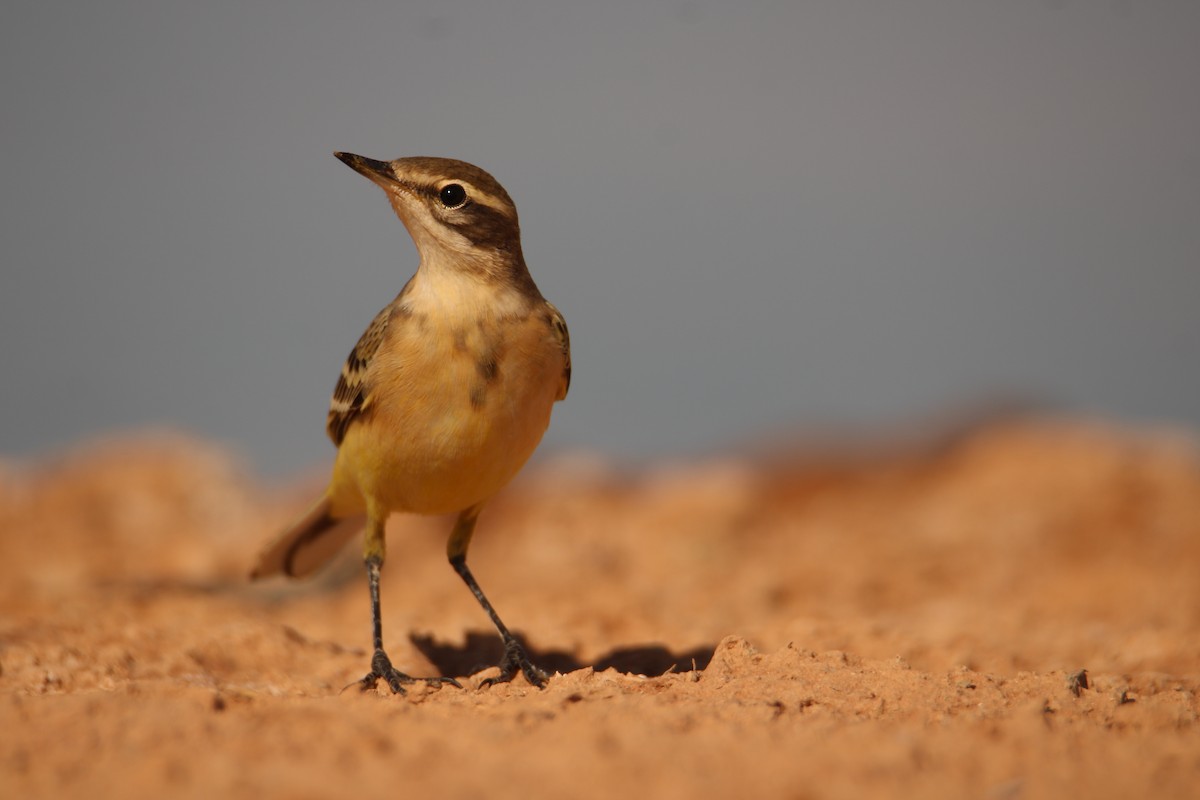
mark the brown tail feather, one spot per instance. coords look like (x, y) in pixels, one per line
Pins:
(308, 544)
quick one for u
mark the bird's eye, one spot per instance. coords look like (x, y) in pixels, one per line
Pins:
(453, 195)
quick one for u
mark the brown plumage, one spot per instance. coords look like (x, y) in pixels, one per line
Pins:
(446, 393)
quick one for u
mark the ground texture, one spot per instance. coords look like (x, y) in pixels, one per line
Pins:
(904, 621)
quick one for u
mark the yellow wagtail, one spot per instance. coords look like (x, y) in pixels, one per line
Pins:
(446, 394)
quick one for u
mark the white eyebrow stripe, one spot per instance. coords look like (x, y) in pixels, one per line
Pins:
(435, 181)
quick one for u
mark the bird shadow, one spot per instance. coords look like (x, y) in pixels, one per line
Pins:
(483, 650)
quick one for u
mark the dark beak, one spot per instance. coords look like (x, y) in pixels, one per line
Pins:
(377, 171)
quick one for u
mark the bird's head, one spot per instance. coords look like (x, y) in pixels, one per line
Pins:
(455, 212)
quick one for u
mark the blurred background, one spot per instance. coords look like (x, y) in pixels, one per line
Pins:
(801, 216)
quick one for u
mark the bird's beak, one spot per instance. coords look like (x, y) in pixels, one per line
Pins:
(379, 172)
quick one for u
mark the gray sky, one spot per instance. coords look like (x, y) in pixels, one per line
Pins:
(779, 216)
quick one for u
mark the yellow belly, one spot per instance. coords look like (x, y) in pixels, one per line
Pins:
(444, 433)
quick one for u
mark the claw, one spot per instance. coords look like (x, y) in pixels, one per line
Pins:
(382, 669)
(517, 660)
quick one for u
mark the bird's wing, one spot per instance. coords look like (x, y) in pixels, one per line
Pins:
(352, 396)
(559, 326)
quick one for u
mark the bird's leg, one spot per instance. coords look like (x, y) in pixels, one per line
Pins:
(515, 658)
(381, 665)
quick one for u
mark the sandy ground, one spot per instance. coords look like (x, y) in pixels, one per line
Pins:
(901, 621)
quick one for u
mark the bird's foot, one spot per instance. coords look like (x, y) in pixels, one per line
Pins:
(382, 669)
(517, 660)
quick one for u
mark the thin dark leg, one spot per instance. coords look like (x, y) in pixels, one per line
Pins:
(515, 658)
(381, 665)
(373, 568)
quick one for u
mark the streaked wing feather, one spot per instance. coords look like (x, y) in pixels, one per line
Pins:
(559, 326)
(352, 395)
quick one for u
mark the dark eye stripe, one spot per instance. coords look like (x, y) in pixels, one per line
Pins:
(486, 227)
(475, 197)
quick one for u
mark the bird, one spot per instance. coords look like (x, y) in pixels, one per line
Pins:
(444, 397)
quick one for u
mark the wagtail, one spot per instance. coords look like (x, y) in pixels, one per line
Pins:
(446, 394)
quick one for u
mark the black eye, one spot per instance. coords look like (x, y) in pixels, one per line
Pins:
(452, 195)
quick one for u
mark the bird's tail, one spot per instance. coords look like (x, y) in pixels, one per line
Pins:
(308, 544)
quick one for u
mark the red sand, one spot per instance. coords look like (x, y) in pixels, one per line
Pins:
(837, 626)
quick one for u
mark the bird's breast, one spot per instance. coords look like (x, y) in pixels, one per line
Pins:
(458, 406)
